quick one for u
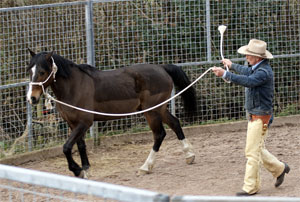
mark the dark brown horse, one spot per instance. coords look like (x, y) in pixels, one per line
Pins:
(124, 90)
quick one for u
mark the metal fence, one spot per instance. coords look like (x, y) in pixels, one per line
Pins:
(19, 184)
(114, 33)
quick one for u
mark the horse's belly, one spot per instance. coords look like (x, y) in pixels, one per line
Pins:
(117, 107)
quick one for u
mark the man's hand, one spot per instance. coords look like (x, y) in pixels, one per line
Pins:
(218, 71)
(227, 62)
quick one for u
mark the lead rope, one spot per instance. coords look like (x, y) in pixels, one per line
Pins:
(48, 96)
(221, 29)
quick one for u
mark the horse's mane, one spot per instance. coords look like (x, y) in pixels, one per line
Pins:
(64, 67)
(89, 69)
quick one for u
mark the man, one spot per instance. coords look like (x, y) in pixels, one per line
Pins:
(258, 80)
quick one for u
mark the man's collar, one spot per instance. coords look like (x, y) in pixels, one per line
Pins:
(257, 64)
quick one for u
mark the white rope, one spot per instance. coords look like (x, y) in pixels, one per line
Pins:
(222, 29)
(48, 96)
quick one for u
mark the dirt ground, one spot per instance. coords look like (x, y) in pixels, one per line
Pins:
(218, 169)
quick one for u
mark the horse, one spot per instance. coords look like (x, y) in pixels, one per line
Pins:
(124, 90)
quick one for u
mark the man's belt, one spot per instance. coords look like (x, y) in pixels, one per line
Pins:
(265, 119)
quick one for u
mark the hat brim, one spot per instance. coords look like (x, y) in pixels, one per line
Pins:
(244, 51)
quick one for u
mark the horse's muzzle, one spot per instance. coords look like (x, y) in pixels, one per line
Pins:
(33, 94)
(33, 100)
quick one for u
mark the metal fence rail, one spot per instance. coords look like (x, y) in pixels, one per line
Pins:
(114, 33)
(88, 188)
(232, 199)
(19, 184)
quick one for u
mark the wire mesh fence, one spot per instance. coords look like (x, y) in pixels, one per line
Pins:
(110, 34)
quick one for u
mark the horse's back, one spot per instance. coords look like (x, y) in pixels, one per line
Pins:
(154, 77)
(149, 77)
(153, 82)
(132, 88)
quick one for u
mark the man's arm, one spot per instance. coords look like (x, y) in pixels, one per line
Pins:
(241, 69)
(255, 79)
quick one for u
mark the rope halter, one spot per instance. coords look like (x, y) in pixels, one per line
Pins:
(53, 72)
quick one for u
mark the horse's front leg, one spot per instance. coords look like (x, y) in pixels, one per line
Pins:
(84, 158)
(76, 135)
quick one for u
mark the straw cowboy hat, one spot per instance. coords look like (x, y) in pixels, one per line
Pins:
(256, 47)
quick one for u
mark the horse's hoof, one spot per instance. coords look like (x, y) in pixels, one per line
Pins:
(190, 160)
(143, 172)
(145, 169)
(83, 174)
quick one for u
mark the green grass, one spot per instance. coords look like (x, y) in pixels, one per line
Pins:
(290, 110)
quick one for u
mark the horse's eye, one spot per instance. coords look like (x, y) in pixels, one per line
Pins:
(42, 73)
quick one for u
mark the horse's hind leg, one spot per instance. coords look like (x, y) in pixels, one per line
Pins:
(83, 156)
(159, 133)
(77, 134)
(174, 124)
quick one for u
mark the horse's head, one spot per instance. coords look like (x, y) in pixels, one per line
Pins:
(42, 69)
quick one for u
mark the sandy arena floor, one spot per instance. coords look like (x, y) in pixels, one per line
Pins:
(218, 169)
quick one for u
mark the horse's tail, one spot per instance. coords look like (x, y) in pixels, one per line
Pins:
(181, 81)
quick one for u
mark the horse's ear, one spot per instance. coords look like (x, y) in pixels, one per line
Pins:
(31, 52)
(49, 55)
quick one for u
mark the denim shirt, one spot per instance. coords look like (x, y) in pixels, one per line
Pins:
(259, 85)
